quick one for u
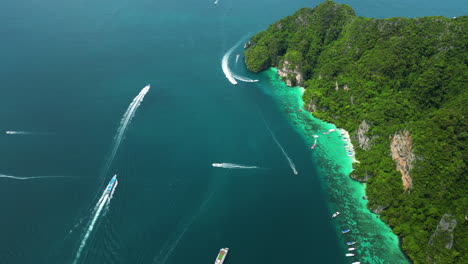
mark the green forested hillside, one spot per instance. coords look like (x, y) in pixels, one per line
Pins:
(396, 74)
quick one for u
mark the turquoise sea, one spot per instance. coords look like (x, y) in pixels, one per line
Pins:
(70, 70)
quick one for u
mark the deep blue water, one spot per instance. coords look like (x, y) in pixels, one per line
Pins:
(69, 70)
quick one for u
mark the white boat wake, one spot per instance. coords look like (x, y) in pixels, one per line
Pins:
(166, 252)
(126, 119)
(24, 133)
(30, 178)
(104, 200)
(291, 163)
(225, 67)
(233, 166)
(227, 71)
(242, 78)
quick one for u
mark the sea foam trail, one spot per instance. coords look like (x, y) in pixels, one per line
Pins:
(233, 166)
(225, 67)
(104, 200)
(171, 245)
(30, 178)
(24, 133)
(126, 119)
(227, 71)
(291, 163)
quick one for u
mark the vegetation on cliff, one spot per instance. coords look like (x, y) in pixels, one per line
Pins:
(397, 74)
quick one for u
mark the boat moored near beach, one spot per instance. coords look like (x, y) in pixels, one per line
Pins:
(351, 249)
(350, 243)
(345, 231)
(221, 256)
(335, 214)
(349, 255)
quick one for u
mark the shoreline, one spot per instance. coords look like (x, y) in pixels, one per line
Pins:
(377, 242)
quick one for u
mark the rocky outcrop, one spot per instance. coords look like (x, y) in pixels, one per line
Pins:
(378, 209)
(402, 153)
(361, 137)
(247, 44)
(292, 77)
(311, 106)
(442, 238)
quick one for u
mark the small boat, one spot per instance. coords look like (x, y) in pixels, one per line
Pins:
(351, 249)
(314, 145)
(315, 136)
(331, 130)
(345, 231)
(221, 256)
(111, 186)
(217, 164)
(350, 243)
(335, 214)
(356, 262)
(349, 255)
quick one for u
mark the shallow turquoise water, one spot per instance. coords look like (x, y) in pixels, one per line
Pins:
(69, 71)
(375, 241)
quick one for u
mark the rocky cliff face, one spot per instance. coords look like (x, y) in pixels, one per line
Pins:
(402, 153)
(291, 74)
(442, 238)
(361, 137)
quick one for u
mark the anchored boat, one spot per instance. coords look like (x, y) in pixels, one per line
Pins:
(335, 214)
(221, 256)
(350, 243)
(345, 231)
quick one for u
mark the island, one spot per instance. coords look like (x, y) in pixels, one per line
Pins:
(399, 86)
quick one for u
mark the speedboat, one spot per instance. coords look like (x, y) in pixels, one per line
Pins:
(350, 243)
(111, 186)
(315, 136)
(351, 249)
(335, 214)
(356, 262)
(349, 255)
(345, 231)
(217, 164)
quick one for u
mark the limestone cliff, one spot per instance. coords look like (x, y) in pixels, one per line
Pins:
(361, 136)
(402, 153)
(442, 238)
(291, 74)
